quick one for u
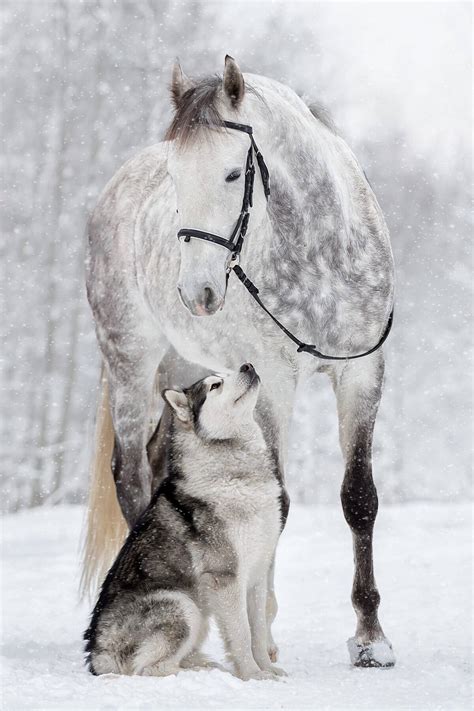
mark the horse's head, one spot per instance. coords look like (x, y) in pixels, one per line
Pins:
(207, 165)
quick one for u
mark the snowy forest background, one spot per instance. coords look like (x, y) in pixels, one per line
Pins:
(84, 86)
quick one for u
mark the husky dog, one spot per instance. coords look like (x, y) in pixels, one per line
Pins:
(204, 546)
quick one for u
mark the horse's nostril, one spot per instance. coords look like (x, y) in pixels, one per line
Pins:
(246, 367)
(208, 298)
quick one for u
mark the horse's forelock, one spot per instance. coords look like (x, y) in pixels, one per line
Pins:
(196, 111)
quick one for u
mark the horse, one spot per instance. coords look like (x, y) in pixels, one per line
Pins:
(316, 244)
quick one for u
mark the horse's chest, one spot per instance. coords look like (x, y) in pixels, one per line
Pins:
(225, 340)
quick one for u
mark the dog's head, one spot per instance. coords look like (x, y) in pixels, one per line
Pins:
(218, 406)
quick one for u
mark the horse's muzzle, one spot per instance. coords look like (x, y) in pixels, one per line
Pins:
(205, 303)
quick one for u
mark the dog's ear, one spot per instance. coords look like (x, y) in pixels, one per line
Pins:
(179, 402)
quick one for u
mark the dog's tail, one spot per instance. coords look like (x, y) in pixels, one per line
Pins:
(105, 528)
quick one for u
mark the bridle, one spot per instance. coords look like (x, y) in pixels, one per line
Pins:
(236, 240)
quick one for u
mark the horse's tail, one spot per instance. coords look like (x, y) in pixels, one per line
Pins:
(105, 526)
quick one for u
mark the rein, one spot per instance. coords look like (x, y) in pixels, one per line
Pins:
(235, 243)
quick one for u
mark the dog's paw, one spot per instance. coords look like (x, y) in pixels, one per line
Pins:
(260, 675)
(273, 653)
(371, 654)
(278, 671)
(266, 674)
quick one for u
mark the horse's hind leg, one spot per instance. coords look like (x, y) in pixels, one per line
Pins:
(358, 386)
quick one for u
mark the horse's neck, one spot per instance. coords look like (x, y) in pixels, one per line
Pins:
(321, 255)
(316, 181)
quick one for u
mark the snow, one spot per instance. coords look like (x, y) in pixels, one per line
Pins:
(423, 566)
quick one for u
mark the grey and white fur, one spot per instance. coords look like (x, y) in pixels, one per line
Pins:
(204, 546)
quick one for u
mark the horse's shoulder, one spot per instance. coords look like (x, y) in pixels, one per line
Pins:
(149, 164)
(125, 191)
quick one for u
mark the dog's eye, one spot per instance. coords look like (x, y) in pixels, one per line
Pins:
(235, 175)
(215, 386)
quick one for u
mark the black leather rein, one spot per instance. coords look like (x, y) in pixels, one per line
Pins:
(235, 242)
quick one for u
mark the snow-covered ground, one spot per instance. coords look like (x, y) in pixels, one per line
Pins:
(423, 565)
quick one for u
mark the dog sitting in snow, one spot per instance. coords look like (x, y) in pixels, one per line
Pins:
(204, 546)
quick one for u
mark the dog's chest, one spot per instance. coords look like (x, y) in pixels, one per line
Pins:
(250, 514)
(241, 529)
(253, 541)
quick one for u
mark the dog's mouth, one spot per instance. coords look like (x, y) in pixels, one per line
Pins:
(253, 382)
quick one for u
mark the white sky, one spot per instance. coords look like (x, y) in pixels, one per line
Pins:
(393, 63)
(414, 59)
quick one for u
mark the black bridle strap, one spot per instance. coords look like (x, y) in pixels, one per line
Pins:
(235, 242)
(261, 163)
(188, 232)
(306, 347)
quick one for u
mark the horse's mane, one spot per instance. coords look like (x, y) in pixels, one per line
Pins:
(322, 114)
(198, 110)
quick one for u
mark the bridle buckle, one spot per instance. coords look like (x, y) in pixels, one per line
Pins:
(234, 261)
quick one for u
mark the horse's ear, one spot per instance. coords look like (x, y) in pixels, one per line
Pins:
(233, 81)
(180, 84)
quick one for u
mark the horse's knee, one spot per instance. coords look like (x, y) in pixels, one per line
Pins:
(132, 481)
(359, 500)
(365, 599)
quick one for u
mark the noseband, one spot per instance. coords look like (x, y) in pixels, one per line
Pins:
(236, 240)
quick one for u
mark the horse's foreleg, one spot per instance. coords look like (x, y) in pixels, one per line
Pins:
(358, 386)
(131, 392)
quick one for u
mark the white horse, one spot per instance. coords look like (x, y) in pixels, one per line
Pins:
(318, 249)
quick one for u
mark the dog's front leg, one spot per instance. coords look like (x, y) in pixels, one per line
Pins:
(257, 600)
(228, 603)
(271, 611)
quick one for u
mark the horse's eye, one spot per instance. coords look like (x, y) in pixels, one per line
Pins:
(235, 175)
(215, 386)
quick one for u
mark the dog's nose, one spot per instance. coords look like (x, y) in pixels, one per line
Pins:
(246, 367)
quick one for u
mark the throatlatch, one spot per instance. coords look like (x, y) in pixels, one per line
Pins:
(235, 242)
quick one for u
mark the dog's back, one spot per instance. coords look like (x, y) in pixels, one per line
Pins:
(211, 526)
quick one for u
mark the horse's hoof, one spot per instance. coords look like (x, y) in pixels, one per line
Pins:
(372, 654)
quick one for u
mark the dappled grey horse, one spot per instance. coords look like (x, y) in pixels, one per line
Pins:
(317, 247)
